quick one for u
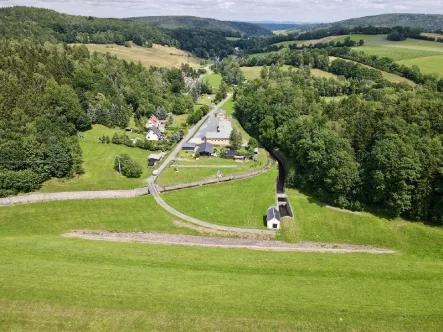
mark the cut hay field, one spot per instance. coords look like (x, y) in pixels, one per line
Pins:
(98, 163)
(396, 53)
(322, 74)
(157, 55)
(52, 283)
(251, 73)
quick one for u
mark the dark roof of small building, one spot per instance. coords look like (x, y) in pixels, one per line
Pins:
(230, 153)
(188, 145)
(206, 148)
(272, 213)
(156, 131)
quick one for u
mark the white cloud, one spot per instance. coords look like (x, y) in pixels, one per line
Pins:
(247, 10)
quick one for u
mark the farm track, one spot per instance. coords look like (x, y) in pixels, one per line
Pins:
(218, 242)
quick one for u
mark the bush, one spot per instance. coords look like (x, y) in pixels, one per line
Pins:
(127, 166)
(13, 182)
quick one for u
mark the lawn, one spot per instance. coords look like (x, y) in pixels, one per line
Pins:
(240, 203)
(157, 55)
(214, 79)
(233, 38)
(315, 222)
(251, 73)
(170, 177)
(51, 283)
(427, 65)
(99, 165)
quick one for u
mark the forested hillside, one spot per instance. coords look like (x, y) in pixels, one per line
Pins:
(380, 149)
(49, 92)
(45, 24)
(191, 22)
(428, 22)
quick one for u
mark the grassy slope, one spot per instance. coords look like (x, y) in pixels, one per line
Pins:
(160, 56)
(99, 165)
(214, 79)
(239, 203)
(427, 65)
(53, 283)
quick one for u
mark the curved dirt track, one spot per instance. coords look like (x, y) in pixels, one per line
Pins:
(216, 242)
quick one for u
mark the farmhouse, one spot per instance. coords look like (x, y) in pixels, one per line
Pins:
(273, 218)
(221, 136)
(152, 122)
(188, 146)
(154, 134)
(206, 149)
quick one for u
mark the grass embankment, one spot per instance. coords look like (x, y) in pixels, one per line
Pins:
(54, 283)
(98, 163)
(157, 55)
(240, 203)
(316, 222)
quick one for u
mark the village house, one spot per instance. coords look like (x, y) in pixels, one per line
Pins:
(222, 135)
(154, 134)
(152, 122)
(273, 218)
(206, 149)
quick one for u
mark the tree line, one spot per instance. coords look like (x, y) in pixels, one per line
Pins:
(381, 150)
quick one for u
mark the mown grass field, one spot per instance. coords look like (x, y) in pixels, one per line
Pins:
(427, 65)
(157, 55)
(240, 203)
(233, 38)
(214, 79)
(396, 53)
(98, 164)
(53, 283)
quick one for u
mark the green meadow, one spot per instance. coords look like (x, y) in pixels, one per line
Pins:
(214, 79)
(427, 65)
(98, 164)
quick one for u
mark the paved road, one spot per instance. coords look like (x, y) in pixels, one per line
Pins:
(188, 136)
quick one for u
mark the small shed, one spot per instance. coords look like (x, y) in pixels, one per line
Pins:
(230, 153)
(205, 149)
(188, 146)
(273, 218)
(154, 158)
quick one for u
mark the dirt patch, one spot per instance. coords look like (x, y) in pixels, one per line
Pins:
(217, 242)
(210, 231)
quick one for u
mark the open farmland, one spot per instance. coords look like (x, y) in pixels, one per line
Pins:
(157, 55)
(427, 65)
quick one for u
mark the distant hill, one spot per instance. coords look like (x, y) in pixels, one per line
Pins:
(192, 22)
(428, 22)
(45, 24)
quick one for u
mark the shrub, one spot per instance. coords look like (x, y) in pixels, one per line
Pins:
(127, 166)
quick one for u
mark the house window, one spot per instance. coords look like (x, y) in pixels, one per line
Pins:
(274, 226)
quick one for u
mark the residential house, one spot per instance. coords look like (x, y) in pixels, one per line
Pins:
(205, 149)
(222, 135)
(273, 218)
(154, 134)
(152, 122)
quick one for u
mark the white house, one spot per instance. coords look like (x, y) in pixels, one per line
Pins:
(273, 218)
(154, 134)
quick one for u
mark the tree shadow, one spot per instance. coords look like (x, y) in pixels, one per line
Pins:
(265, 221)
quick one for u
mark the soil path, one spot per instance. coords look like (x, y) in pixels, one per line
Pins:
(216, 242)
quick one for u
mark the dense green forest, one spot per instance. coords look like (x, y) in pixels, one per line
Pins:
(428, 22)
(50, 91)
(381, 148)
(227, 28)
(45, 24)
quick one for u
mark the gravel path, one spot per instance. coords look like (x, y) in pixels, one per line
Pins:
(216, 242)
(64, 196)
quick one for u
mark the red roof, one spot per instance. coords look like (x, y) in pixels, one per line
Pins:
(153, 120)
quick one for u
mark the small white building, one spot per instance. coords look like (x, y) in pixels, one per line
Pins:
(273, 218)
(154, 134)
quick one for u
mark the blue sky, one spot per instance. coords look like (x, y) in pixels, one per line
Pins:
(244, 10)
